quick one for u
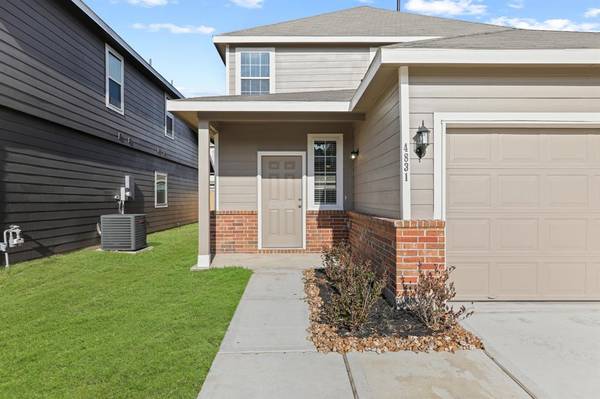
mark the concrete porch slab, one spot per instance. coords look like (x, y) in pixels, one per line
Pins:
(407, 375)
(259, 262)
(277, 375)
(551, 348)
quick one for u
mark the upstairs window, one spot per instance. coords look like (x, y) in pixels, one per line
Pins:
(169, 122)
(160, 190)
(325, 171)
(114, 80)
(255, 72)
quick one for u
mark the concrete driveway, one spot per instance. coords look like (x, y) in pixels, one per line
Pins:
(553, 349)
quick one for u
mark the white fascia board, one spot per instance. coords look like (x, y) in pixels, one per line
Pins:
(366, 80)
(407, 56)
(259, 106)
(318, 39)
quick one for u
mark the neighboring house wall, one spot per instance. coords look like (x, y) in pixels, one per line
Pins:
(515, 89)
(313, 68)
(54, 68)
(238, 147)
(63, 153)
(57, 192)
(377, 169)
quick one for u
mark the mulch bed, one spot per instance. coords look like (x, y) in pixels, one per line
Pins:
(388, 329)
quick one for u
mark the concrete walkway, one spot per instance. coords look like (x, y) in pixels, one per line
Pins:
(265, 353)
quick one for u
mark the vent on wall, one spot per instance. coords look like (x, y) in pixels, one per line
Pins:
(123, 232)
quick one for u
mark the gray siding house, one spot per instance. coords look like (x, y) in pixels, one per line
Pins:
(79, 110)
(423, 141)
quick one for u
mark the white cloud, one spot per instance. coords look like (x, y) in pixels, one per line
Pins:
(366, 1)
(248, 3)
(518, 4)
(447, 7)
(149, 3)
(177, 29)
(549, 24)
(592, 13)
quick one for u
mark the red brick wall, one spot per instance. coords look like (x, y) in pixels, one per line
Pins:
(237, 231)
(401, 246)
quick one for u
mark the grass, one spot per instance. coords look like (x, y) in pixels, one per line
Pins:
(91, 324)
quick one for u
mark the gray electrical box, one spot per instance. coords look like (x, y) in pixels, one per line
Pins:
(123, 232)
(129, 187)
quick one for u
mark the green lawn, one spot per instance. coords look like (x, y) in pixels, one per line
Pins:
(104, 325)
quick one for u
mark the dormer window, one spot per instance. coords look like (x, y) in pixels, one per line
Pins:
(255, 72)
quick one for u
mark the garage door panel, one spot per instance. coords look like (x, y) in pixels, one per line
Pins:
(471, 280)
(519, 148)
(514, 279)
(470, 191)
(563, 280)
(564, 235)
(523, 215)
(518, 191)
(566, 191)
(469, 234)
(516, 234)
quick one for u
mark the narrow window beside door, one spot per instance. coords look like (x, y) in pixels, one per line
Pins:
(160, 190)
(114, 80)
(325, 172)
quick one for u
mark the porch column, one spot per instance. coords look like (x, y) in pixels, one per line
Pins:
(203, 196)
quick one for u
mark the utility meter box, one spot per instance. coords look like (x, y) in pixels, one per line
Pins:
(123, 232)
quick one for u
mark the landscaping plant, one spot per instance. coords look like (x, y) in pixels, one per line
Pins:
(428, 299)
(355, 288)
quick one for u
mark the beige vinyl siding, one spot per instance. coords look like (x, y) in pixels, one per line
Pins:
(238, 147)
(490, 89)
(300, 69)
(377, 169)
(313, 69)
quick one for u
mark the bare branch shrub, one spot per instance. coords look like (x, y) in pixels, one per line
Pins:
(355, 288)
(428, 299)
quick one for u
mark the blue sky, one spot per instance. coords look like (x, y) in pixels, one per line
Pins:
(177, 34)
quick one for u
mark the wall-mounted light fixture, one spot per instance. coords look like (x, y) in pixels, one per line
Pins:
(421, 140)
(354, 154)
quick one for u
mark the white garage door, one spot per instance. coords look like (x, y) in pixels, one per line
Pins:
(523, 213)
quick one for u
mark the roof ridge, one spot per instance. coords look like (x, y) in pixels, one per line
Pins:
(386, 10)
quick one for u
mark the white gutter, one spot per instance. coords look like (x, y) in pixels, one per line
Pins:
(258, 106)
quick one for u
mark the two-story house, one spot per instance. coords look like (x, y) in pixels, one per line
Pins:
(80, 110)
(423, 141)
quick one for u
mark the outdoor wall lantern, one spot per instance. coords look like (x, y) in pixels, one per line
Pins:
(354, 154)
(421, 140)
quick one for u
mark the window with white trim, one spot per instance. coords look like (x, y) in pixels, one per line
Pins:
(161, 188)
(115, 77)
(325, 171)
(169, 122)
(255, 72)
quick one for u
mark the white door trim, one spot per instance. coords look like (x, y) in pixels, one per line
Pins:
(259, 156)
(443, 120)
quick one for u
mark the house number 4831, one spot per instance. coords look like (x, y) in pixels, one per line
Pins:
(405, 161)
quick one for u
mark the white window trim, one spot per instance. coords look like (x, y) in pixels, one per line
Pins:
(339, 203)
(443, 120)
(238, 67)
(169, 115)
(259, 156)
(166, 177)
(108, 50)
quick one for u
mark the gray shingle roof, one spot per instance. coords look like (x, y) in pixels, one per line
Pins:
(512, 39)
(331, 95)
(368, 21)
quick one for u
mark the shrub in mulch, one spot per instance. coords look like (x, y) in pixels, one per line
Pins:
(348, 312)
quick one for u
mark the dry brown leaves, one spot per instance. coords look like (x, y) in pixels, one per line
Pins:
(326, 338)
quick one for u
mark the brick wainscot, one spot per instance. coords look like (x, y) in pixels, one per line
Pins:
(400, 246)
